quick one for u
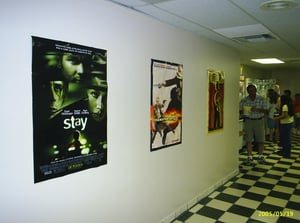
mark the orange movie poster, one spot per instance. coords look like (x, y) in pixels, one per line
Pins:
(215, 100)
(166, 104)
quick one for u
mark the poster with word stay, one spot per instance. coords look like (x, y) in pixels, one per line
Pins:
(69, 88)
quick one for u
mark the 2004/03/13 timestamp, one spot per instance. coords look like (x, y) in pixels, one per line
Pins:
(275, 213)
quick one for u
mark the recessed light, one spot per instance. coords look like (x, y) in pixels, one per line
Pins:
(268, 61)
(277, 5)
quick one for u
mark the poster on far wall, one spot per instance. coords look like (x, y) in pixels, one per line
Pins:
(69, 88)
(215, 100)
(166, 104)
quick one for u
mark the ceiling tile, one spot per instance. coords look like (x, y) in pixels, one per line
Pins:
(216, 19)
(239, 31)
(212, 14)
(169, 18)
(130, 3)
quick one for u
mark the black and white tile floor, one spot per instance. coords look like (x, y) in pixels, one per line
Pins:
(260, 193)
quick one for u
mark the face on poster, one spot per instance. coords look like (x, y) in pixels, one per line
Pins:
(166, 104)
(69, 86)
(215, 100)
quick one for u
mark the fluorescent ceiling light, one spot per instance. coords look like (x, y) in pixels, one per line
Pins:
(277, 5)
(268, 61)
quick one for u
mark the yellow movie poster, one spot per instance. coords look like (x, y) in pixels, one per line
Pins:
(215, 100)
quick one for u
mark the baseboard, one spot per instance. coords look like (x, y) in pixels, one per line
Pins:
(186, 206)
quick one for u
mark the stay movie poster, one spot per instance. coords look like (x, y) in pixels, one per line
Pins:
(69, 87)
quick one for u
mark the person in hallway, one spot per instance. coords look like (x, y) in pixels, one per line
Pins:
(286, 123)
(288, 93)
(272, 111)
(297, 113)
(253, 108)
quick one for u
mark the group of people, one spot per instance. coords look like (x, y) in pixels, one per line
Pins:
(283, 114)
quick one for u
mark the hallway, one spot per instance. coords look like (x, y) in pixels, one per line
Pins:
(261, 193)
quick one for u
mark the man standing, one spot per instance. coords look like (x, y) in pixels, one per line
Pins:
(252, 108)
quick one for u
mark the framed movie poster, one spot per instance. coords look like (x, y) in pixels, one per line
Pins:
(215, 100)
(166, 104)
(69, 88)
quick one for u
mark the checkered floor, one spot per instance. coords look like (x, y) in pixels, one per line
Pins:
(260, 193)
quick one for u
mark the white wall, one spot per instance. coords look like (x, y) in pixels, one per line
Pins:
(288, 79)
(136, 185)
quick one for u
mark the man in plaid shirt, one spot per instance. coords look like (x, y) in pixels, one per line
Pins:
(253, 108)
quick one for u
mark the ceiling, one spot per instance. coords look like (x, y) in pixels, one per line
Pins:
(241, 24)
